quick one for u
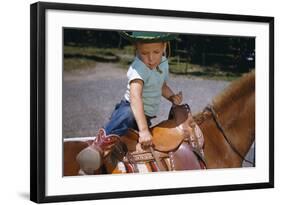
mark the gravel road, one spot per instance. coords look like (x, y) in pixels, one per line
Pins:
(89, 97)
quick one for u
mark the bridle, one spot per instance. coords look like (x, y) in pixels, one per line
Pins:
(210, 108)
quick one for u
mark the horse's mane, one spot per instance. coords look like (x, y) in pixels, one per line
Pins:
(241, 87)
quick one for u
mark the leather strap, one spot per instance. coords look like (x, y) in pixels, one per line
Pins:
(172, 164)
(133, 162)
(157, 159)
(146, 156)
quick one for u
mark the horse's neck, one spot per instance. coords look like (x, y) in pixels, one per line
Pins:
(236, 113)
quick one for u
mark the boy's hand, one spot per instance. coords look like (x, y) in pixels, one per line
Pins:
(176, 99)
(145, 138)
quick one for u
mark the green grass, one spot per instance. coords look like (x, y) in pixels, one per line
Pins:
(90, 51)
(74, 64)
(214, 72)
(86, 51)
(192, 70)
(86, 57)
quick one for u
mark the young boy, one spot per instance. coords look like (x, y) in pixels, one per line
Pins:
(147, 82)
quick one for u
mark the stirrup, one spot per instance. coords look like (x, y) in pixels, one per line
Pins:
(91, 158)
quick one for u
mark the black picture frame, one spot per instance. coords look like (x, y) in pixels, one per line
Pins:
(38, 111)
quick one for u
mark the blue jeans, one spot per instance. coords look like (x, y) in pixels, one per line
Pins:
(122, 119)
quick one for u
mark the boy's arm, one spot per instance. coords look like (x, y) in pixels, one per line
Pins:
(136, 87)
(167, 91)
(169, 94)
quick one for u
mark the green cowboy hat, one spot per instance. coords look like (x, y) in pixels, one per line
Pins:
(147, 37)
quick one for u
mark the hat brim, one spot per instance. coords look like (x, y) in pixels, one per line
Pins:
(149, 39)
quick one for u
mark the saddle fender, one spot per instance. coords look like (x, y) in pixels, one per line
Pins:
(184, 158)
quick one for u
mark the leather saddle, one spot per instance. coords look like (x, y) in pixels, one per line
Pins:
(177, 143)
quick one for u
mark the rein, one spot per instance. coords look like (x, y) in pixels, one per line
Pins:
(215, 118)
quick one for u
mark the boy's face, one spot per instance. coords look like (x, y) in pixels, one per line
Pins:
(151, 53)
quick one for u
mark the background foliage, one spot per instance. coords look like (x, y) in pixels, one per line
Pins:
(191, 54)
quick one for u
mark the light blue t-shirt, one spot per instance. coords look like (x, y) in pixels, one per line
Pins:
(152, 83)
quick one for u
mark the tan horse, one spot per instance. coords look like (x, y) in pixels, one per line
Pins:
(228, 127)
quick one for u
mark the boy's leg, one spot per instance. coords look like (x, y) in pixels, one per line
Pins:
(121, 119)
